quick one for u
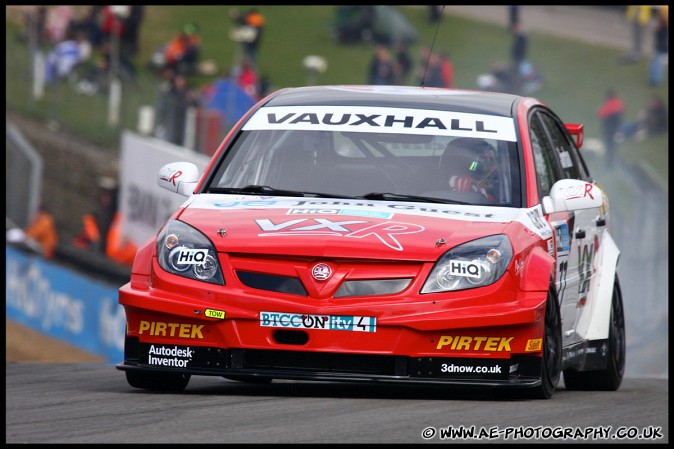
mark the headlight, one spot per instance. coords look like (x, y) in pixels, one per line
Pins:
(473, 264)
(184, 251)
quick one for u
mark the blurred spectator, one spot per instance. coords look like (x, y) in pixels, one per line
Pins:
(638, 17)
(513, 17)
(253, 19)
(119, 249)
(497, 80)
(382, 67)
(182, 52)
(58, 20)
(611, 115)
(447, 70)
(89, 26)
(435, 13)
(354, 23)
(403, 63)
(90, 236)
(43, 231)
(112, 22)
(660, 47)
(433, 76)
(651, 120)
(97, 78)
(131, 35)
(248, 80)
(65, 55)
(175, 97)
(518, 53)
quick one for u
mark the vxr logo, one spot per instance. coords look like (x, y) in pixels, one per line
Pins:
(385, 231)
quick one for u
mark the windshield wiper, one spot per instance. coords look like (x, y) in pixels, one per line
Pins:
(400, 197)
(255, 189)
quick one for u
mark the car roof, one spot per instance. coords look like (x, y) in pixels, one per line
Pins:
(397, 97)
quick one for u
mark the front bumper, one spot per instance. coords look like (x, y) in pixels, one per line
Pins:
(426, 339)
(516, 371)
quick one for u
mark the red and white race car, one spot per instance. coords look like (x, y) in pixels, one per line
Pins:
(383, 234)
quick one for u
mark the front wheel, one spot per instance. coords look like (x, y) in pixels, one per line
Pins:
(551, 361)
(610, 378)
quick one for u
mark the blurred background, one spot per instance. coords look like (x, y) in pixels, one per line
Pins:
(84, 84)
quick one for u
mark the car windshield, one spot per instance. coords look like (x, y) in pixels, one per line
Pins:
(375, 165)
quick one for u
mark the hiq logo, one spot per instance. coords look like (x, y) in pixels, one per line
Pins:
(188, 256)
(464, 268)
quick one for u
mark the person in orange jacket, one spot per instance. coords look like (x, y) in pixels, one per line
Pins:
(182, 52)
(119, 249)
(43, 231)
(89, 236)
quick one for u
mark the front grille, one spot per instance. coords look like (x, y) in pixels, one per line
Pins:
(272, 282)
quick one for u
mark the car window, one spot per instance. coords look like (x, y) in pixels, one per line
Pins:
(564, 147)
(357, 163)
(543, 152)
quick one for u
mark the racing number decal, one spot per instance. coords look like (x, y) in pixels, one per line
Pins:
(585, 258)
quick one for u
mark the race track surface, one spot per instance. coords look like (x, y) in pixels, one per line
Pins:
(92, 403)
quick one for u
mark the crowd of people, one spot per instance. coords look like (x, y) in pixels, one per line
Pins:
(651, 120)
(393, 65)
(101, 32)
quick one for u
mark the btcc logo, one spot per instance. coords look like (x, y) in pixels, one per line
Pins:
(465, 343)
(180, 330)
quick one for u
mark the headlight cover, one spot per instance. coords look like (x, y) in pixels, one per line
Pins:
(183, 250)
(474, 264)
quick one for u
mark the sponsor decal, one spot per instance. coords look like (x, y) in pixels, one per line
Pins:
(562, 236)
(534, 221)
(323, 322)
(212, 313)
(464, 369)
(168, 175)
(353, 212)
(465, 343)
(575, 192)
(464, 268)
(163, 329)
(386, 231)
(586, 254)
(169, 356)
(534, 345)
(190, 256)
(358, 207)
(382, 120)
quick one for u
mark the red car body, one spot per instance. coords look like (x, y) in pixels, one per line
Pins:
(360, 283)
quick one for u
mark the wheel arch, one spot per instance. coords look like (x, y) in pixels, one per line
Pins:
(537, 271)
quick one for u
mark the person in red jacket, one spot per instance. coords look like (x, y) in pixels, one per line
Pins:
(611, 115)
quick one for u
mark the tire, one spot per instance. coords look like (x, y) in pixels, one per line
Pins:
(250, 379)
(551, 361)
(158, 381)
(610, 378)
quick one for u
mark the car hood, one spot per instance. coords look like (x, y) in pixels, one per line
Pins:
(326, 227)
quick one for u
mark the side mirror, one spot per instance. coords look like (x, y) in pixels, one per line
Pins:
(572, 194)
(179, 177)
